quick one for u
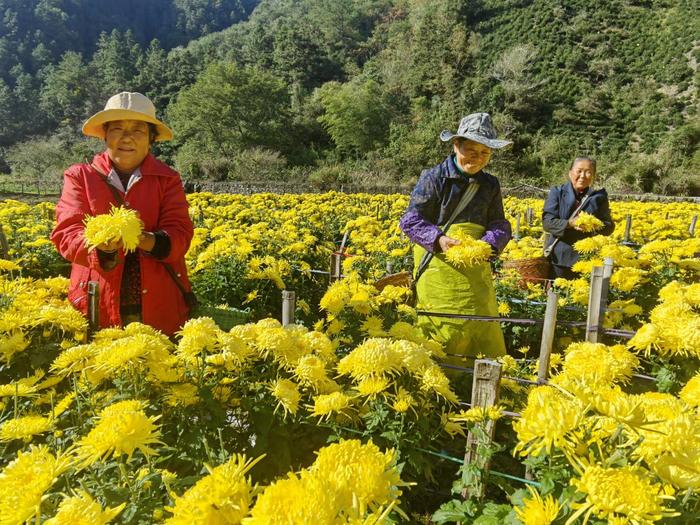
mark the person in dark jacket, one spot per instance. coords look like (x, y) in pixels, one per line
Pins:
(559, 220)
(443, 287)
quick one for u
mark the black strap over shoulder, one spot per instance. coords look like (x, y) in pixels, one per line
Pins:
(464, 201)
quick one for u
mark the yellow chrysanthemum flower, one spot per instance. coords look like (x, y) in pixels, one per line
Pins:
(287, 501)
(121, 429)
(362, 476)
(547, 422)
(12, 344)
(9, 266)
(626, 492)
(24, 481)
(690, 393)
(287, 394)
(120, 224)
(403, 401)
(371, 386)
(83, 510)
(327, 404)
(223, 496)
(536, 511)
(374, 357)
(433, 379)
(24, 428)
(478, 414)
(469, 252)
(588, 223)
(311, 371)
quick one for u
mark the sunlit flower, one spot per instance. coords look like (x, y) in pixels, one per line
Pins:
(620, 492)
(547, 422)
(223, 496)
(24, 481)
(287, 394)
(362, 476)
(24, 428)
(121, 429)
(587, 222)
(537, 511)
(469, 252)
(327, 404)
(83, 510)
(120, 224)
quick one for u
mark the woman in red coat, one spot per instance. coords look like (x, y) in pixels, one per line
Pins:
(137, 286)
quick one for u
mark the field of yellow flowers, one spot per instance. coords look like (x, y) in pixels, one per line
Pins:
(347, 416)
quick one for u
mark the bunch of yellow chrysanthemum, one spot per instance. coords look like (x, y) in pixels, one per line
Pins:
(120, 224)
(348, 482)
(224, 496)
(469, 252)
(588, 223)
(121, 429)
(626, 492)
(83, 510)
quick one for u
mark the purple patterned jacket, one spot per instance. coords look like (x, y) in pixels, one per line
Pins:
(437, 194)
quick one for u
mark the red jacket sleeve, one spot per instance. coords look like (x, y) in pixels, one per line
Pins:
(68, 235)
(175, 219)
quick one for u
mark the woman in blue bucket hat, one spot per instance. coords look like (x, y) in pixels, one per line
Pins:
(458, 196)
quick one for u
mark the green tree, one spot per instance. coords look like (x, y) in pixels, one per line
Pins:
(354, 115)
(229, 109)
(115, 62)
(70, 92)
(43, 159)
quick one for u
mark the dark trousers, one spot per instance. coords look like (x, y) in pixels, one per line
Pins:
(564, 272)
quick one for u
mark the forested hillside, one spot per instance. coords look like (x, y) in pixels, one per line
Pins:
(357, 91)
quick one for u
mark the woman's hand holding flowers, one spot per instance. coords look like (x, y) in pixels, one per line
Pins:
(147, 241)
(446, 242)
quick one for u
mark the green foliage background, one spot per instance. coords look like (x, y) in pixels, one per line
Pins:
(357, 91)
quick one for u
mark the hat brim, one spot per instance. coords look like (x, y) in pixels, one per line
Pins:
(93, 127)
(447, 136)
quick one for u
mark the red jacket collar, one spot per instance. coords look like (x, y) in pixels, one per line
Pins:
(149, 166)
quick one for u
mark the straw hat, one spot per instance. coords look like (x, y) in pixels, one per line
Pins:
(126, 106)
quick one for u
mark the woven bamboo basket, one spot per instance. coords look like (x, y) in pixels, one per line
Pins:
(404, 279)
(225, 318)
(531, 270)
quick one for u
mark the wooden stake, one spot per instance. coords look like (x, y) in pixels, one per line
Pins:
(336, 269)
(289, 300)
(529, 216)
(485, 393)
(693, 222)
(550, 324)
(594, 295)
(4, 246)
(628, 227)
(93, 306)
(389, 267)
(598, 299)
(516, 235)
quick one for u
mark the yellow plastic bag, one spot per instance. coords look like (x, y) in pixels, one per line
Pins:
(446, 289)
